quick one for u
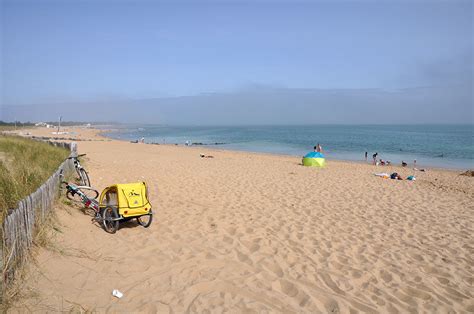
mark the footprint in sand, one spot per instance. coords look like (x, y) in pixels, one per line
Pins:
(343, 260)
(386, 276)
(405, 298)
(443, 280)
(378, 300)
(330, 283)
(392, 309)
(332, 306)
(231, 231)
(417, 293)
(356, 273)
(416, 257)
(469, 280)
(252, 247)
(303, 299)
(154, 308)
(286, 287)
(243, 258)
(210, 256)
(455, 294)
(228, 240)
(274, 268)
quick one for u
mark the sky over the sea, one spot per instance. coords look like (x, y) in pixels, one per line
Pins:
(144, 53)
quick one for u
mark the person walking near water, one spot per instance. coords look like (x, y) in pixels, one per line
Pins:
(365, 156)
(374, 156)
(318, 148)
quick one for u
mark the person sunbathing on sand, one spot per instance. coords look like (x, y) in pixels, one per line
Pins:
(204, 156)
(395, 176)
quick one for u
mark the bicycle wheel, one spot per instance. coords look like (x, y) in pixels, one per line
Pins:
(84, 177)
(109, 214)
(86, 190)
(145, 221)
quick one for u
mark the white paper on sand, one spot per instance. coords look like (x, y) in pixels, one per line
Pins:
(117, 294)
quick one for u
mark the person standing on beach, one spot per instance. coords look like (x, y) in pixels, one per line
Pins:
(374, 156)
(366, 156)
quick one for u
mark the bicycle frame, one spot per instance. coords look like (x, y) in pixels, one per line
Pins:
(81, 172)
(76, 161)
(88, 202)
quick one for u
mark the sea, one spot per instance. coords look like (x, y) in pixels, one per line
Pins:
(441, 146)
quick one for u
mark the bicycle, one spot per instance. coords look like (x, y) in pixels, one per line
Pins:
(81, 172)
(87, 196)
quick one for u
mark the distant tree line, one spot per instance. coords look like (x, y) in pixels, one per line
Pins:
(17, 123)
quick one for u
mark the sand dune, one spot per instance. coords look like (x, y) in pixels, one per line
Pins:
(259, 233)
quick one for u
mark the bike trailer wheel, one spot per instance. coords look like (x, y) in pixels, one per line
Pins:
(145, 220)
(109, 219)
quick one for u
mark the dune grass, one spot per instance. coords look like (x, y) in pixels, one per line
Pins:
(7, 128)
(10, 127)
(25, 165)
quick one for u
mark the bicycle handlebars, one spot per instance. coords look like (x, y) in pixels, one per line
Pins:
(75, 157)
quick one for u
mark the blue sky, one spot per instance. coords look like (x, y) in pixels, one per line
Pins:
(96, 51)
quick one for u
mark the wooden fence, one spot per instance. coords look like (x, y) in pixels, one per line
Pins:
(21, 223)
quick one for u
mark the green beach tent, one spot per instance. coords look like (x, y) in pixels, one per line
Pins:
(314, 159)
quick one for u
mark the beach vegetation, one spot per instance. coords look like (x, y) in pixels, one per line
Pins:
(24, 166)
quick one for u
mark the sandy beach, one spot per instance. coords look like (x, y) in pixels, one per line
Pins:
(245, 232)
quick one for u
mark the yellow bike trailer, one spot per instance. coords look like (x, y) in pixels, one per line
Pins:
(122, 202)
